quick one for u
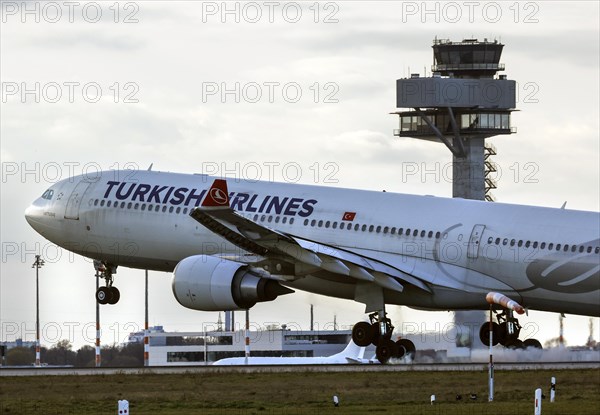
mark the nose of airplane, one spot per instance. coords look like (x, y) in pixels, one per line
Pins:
(33, 215)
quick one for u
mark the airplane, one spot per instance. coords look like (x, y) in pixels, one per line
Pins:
(232, 243)
(352, 354)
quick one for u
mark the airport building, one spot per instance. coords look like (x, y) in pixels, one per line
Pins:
(197, 348)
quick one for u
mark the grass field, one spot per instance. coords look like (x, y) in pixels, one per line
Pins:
(578, 392)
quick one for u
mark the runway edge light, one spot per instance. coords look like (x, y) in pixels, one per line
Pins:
(123, 407)
(538, 402)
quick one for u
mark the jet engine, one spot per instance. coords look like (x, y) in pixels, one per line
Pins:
(208, 283)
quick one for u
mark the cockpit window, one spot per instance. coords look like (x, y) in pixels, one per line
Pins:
(48, 194)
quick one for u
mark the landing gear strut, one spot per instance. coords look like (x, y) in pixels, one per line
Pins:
(379, 333)
(108, 294)
(506, 332)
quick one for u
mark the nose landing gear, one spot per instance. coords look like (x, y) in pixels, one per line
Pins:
(107, 294)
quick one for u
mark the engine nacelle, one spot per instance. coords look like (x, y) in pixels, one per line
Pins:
(208, 283)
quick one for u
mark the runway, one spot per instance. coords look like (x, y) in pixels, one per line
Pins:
(417, 367)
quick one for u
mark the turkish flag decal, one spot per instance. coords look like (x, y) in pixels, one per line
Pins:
(349, 216)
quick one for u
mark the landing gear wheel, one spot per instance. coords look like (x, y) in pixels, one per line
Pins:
(406, 348)
(514, 344)
(484, 334)
(107, 294)
(503, 333)
(103, 295)
(376, 335)
(533, 343)
(115, 295)
(362, 333)
(386, 350)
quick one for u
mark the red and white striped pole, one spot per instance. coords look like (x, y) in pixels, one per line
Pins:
(97, 348)
(247, 346)
(491, 368)
(146, 343)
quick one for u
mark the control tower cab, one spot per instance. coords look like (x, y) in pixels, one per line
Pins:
(460, 105)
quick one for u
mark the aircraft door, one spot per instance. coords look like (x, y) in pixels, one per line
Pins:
(74, 202)
(475, 241)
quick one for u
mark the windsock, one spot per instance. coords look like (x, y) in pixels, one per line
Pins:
(504, 301)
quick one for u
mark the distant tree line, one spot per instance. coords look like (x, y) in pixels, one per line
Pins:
(62, 354)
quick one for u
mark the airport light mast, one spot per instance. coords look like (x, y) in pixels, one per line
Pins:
(38, 263)
(460, 105)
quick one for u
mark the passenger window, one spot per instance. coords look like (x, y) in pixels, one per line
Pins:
(284, 220)
(535, 244)
(185, 211)
(320, 224)
(136, 206)
(422, 234)
(342, 225)
(95, 202)
(291, 221)
(171, 209)
(102, 203)
(386, 229)
(356, 227)
(334, 225)
(313, 222)
(305, 222)
(543, 245)
(558, 247)
(327, 224)
(497, 241)
(371, 228)
(550, 246)
(129, 205)
(364, 228)
(430, 235)
(270, 219)
(520, 244)
(437, 235)
(277, 219)
(178, 210)
(393, 230)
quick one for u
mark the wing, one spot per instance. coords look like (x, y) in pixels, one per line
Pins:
(304, 255)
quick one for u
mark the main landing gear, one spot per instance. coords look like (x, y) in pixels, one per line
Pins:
(506, 332)
(108, 294)
(379, 333)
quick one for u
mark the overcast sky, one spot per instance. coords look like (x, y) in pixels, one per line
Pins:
(102, 86)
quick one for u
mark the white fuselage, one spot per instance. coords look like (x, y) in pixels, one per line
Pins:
(547, 259)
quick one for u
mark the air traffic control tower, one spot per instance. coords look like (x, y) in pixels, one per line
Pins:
(460, 105)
